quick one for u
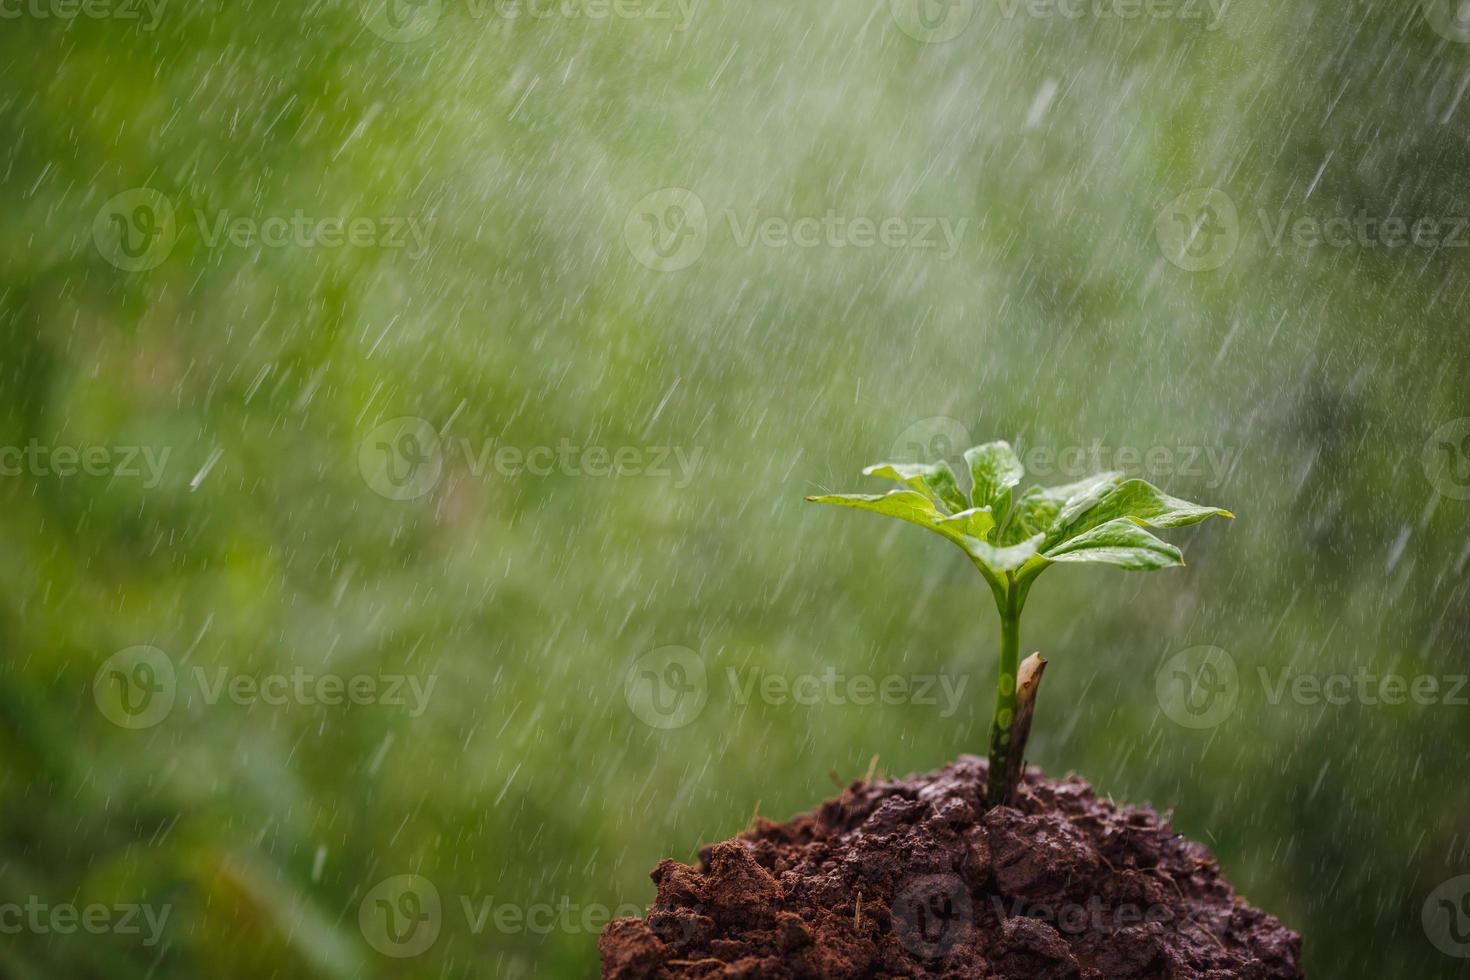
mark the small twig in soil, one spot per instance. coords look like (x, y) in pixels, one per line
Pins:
(857, 914)
(1209, 932)
(872, 769)
(754, 816)
(1170, 879)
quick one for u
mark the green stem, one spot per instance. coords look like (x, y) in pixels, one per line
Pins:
(1005, 691)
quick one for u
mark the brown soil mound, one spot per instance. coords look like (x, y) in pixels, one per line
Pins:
(907, 878)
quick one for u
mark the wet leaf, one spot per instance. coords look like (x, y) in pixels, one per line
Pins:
(936, 480)
(994, 469)
(1121, 543)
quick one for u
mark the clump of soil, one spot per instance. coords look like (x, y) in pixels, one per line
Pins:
(912, 878)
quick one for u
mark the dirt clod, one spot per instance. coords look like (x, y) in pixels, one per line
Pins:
(1062, 885)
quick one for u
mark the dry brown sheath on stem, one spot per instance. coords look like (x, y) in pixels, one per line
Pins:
(1028, 682)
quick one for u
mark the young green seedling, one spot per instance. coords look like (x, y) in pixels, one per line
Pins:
(1011, 540)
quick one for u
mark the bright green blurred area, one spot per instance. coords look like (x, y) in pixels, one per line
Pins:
(525, 150)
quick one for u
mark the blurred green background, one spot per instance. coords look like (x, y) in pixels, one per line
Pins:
(525, 149)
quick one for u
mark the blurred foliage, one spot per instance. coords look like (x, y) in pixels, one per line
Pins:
(521, 146)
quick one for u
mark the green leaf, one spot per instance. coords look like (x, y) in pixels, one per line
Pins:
(916, 508)
(1002, 559)
(1039, 510)
(1081, 497)
(906, 505)
(1100, 519)
(935, 479)
(977, 522)
(1119, 542)
(1142, 503)
(1034, 513)
(994, 470)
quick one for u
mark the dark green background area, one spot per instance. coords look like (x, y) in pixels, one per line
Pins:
(522, 146)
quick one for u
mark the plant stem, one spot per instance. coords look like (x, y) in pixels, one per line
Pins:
(1005, 693)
